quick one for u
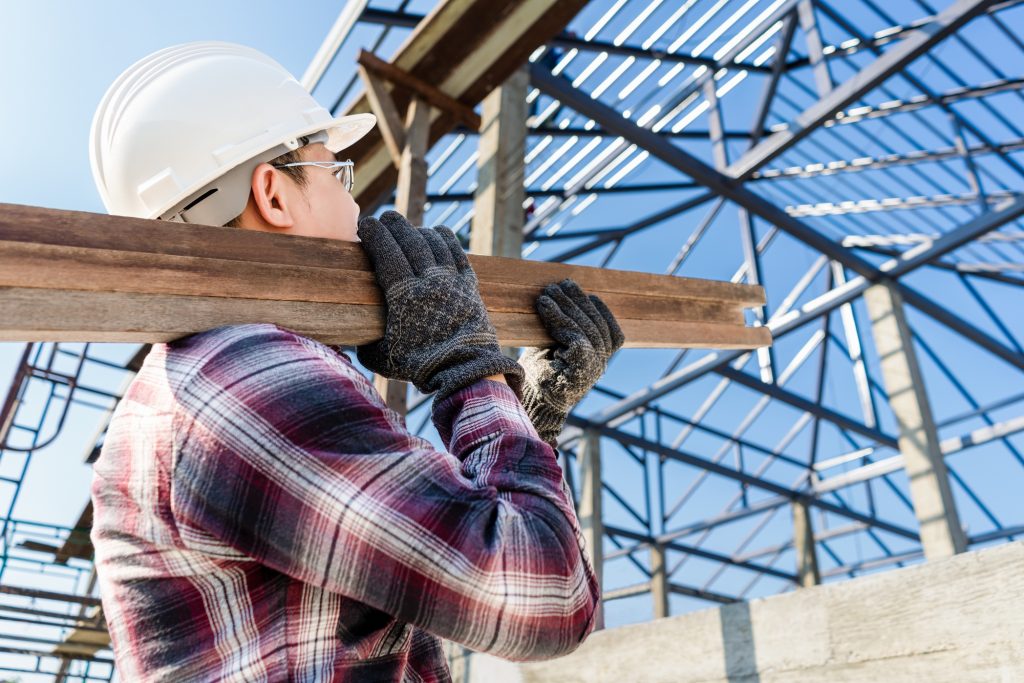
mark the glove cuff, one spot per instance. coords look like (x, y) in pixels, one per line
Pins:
(546, 419)
(452, 379)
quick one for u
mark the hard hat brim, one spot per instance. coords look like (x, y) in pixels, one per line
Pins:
(346, 130)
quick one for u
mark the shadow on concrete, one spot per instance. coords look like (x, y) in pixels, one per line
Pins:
(738, 644)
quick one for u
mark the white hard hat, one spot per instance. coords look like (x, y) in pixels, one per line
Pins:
(178, 133)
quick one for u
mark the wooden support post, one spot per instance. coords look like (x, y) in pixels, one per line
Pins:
(411, 196)
(803, 543)
(497, 228)
(659, 581)
(389, 122)
(934, 507)
(591, 521)
(498, 201)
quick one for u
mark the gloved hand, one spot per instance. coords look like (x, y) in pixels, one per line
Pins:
(557, 378)
(437, 334)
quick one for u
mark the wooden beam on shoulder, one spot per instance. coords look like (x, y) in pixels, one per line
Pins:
(79, 276)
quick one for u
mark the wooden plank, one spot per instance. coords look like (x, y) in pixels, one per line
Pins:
(392, 130)
(106, 270)
(76, 276)
(459, 112)
(73, 315)
(19, 223)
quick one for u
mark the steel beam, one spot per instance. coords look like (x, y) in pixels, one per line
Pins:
(574, 43)
(347, 18)
(649, 221)
(736, 475)
(916, 82)
(851, 206)
(809, 24)
(757, 508)
(948, 447)
(728, 188)
(782, 46)
(874, 163)
(1003, 213)
(862, 113)
(411, 20)
(914, 44)
(778, 393)
(694, 85)
(577, 131)
(718, 182)
(700, 552)
(913, 239)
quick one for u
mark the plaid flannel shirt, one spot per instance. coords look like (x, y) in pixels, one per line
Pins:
(261, 515)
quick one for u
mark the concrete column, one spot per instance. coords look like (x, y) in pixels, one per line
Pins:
(591, 522)
(934, 507)
(659, 581)
(803, 543)
(498, 201)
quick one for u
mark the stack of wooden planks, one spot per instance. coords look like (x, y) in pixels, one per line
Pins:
(77, 276)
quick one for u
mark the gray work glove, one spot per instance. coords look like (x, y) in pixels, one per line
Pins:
(437, 334)
(558, 378)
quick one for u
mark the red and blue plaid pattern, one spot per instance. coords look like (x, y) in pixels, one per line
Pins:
(261, 515)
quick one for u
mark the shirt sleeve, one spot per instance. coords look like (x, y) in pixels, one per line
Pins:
(286, 453)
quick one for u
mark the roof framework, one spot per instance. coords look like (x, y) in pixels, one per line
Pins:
(812, 146)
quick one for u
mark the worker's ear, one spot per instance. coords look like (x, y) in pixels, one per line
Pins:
(273, 196)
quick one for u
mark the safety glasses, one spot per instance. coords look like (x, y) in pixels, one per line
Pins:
(345, 172)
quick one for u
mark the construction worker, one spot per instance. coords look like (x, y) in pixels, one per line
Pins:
(260, 514)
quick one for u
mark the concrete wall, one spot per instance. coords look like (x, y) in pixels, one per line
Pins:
(959, 619)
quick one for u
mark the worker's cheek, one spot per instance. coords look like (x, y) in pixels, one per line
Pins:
(349, 218)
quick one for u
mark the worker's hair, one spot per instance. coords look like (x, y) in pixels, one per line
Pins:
(296, 173)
